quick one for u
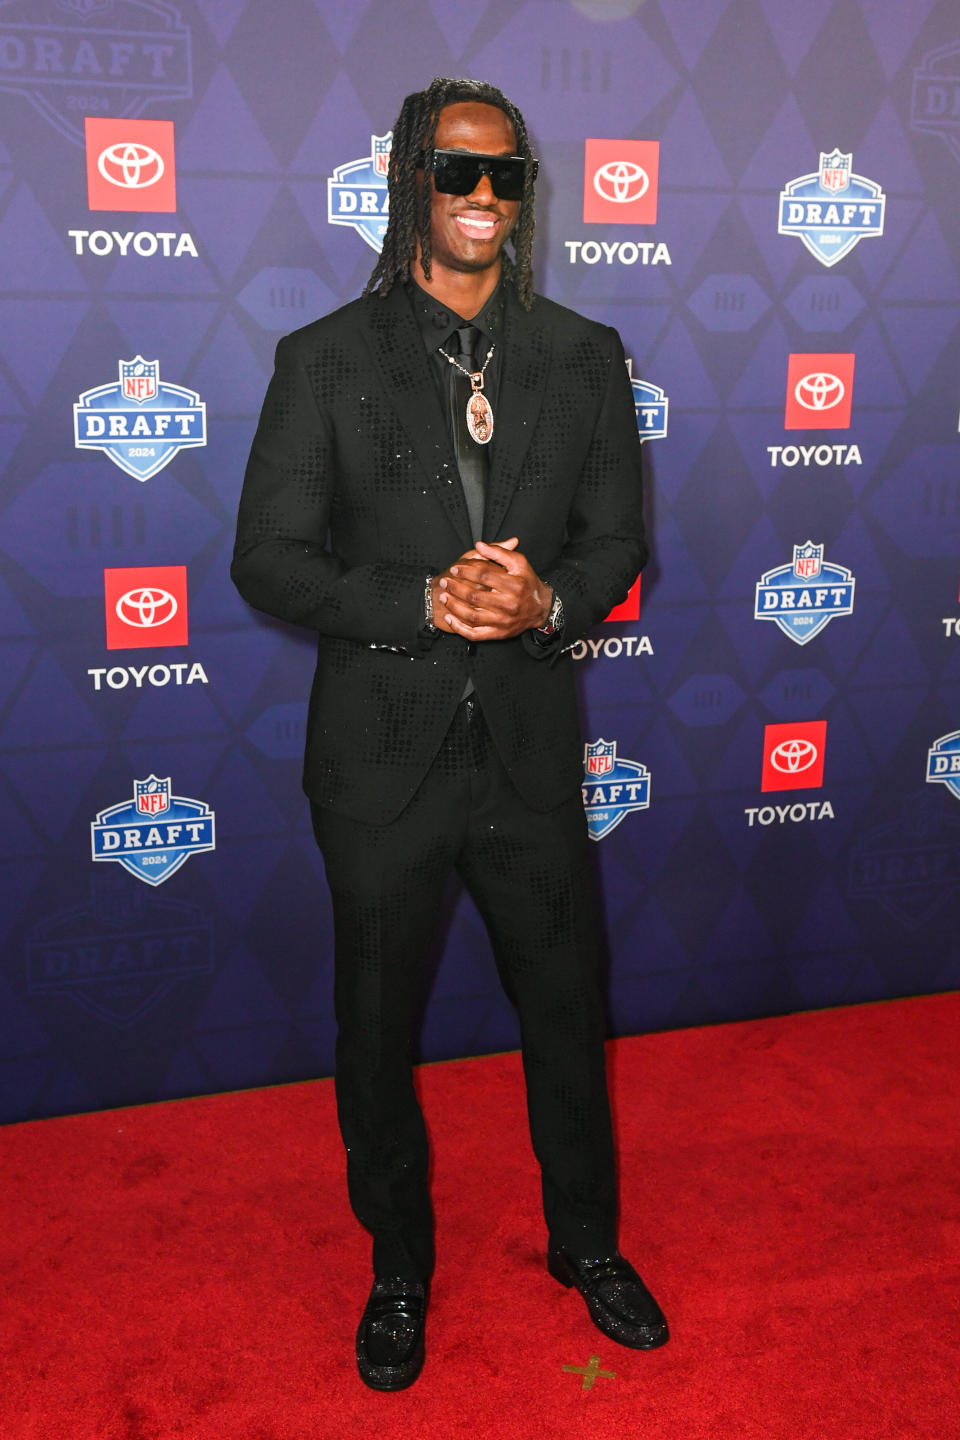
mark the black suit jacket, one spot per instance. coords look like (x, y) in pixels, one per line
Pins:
(352, 497)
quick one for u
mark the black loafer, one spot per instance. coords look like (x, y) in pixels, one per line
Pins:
(390, 1336)
(619, 1303)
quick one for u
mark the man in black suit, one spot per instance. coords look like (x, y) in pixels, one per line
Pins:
(448, 550)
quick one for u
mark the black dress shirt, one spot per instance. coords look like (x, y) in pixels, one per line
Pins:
(438, 326)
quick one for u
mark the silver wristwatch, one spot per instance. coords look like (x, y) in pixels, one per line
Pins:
(554, 620)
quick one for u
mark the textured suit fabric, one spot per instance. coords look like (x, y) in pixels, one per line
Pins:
(529, 875)
(352, 497)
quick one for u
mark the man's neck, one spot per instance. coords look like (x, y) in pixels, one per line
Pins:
(465, 292)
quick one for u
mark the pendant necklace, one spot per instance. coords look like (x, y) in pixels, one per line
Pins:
(479, 409)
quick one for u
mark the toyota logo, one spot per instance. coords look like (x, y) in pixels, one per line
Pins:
(146, 607)
(819, 391)
(792, 756)
(621, 181)
(130, 165)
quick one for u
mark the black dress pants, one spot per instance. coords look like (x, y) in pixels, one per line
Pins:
(528, 874)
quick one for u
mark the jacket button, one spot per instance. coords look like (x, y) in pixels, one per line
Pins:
(471, 647)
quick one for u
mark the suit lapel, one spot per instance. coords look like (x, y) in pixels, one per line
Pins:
(398, 353)
(523, 380)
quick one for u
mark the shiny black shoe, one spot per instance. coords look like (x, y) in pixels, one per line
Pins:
(619, 1303)
(390, 1336)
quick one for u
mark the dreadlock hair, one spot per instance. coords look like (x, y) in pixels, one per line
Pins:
(414, 132)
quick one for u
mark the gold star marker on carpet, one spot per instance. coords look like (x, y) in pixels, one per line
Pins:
(590, 1372)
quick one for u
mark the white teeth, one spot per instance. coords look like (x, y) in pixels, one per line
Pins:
(471, 222)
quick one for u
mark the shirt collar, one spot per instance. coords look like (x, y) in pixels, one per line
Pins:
(437, 322)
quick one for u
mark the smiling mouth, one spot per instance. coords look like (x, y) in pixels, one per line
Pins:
(478, 226)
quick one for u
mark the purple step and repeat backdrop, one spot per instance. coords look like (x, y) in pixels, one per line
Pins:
(762, 197)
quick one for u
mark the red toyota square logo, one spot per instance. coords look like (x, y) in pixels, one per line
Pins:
(130, 164)
(793, 755)
(146, 606)
(819, 392)
(629, 609)
(620, 182)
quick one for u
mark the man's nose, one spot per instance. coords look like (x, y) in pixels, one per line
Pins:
(483, 192)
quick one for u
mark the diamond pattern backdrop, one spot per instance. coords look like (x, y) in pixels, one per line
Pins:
(739, 890)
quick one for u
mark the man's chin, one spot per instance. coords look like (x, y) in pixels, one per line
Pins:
(474, 264)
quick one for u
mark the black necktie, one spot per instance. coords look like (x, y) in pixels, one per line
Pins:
(471, 457)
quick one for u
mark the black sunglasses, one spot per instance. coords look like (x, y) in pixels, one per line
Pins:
(458, 172)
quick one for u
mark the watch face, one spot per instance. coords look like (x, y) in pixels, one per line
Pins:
(554, 617)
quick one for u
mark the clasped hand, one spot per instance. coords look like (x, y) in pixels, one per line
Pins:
(490, 593)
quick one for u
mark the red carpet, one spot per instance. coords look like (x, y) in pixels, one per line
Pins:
(790, 1193)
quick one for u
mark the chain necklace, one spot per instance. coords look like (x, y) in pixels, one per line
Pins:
(479, 409)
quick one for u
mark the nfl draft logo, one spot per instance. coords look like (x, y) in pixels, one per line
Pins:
(72, 58)
(651, 405)
(935, 104)
(153, 834)
(909, 865)
(140, 422)
(943, 763)
(804, 597)
(831, 210)
(357, 192)
(152, 942)
(612, 787)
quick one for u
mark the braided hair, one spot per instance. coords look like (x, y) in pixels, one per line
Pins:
(414, 131)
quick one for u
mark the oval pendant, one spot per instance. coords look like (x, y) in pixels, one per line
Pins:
(480, 418)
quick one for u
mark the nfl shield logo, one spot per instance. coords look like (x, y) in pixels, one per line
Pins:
(600, 757)
(943, 762)
(152, 795)
(835, 170)
(807, 560)
(651, 405)
(153, 834)
(612, 787)
(138, 379)
(357, 193)
(380, 153)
